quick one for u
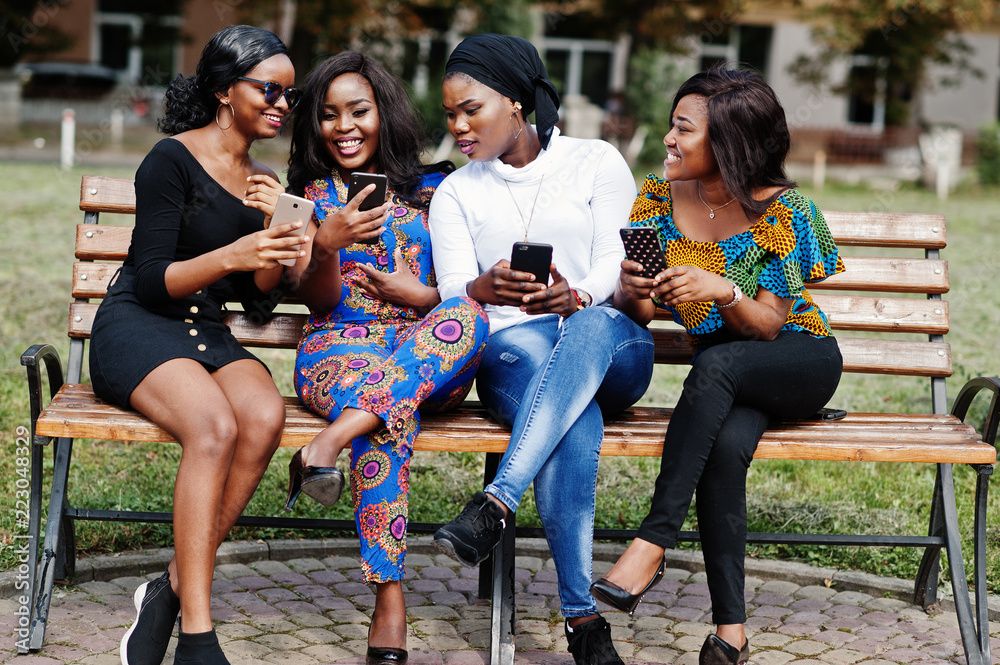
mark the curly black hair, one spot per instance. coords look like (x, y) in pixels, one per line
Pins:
(400, 134)
(190, 101)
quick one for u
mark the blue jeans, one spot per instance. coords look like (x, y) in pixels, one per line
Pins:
(553, 385)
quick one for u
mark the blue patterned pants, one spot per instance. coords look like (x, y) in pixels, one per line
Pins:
(392, 370)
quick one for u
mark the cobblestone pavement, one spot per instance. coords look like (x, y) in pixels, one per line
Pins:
(313, 610)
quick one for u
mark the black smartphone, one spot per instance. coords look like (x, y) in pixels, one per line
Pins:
(642, 245)
(533, 257)
(360, 180)
(829, 414)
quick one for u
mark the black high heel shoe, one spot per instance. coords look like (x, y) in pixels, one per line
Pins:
(384, 655)
(619, 598)
(322, 483)
(717, 651)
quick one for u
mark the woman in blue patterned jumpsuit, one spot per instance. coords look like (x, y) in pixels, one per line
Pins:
(379, 346)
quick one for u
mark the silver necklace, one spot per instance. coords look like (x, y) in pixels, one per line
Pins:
(711, 210)
(531, 215)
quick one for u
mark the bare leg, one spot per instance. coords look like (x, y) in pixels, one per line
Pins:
(734, 633)
(326, 447)
(388, 627)
(182, 397)
(260, 415)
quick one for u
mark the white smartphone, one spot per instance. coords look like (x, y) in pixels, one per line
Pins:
(291, 209)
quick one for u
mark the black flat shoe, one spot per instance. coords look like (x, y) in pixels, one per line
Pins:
(156, 608)
(322, 483)
(619, 598)
(385, 656)
(717, 651)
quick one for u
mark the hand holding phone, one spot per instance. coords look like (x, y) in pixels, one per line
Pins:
(360, 180)
(532, 257)
(288, 210)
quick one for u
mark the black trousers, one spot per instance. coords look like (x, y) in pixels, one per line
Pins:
(734, 389)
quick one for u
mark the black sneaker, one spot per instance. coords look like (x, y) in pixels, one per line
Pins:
(471, 536)
(156, 608)
(590, 643)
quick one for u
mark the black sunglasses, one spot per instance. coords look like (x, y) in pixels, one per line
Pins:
(274, 91)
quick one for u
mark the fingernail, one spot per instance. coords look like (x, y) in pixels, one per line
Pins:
(244, 201)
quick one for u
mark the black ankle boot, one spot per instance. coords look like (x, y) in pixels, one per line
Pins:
(471, 536)
(590, 643)
(717, 651)
(199, 649)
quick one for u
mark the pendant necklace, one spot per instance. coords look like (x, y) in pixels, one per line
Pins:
(525, 225)
(711, 210)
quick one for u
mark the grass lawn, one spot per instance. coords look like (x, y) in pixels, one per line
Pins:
(41, 210)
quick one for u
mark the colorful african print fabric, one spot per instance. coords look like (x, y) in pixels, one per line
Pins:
(788, 247)
(406, 230)
(387, 360)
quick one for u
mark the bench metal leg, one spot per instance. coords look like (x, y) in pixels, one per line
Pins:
(926, 585)
(502, 614)
(490, 467)
(53, 533)
(983, 474)
(974, 654)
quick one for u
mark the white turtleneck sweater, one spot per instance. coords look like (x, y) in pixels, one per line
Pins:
(585, 191)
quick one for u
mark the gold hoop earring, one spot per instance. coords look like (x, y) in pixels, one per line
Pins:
(232, 113)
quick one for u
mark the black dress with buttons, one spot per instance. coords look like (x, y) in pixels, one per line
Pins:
(181, 213)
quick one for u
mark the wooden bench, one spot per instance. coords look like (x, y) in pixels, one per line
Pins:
(875, 295)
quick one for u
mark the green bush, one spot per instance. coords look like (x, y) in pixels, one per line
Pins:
(988, 155)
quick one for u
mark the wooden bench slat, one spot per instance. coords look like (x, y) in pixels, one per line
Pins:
(893, 275)
(101, 242)
(672, 346)
(881, 274)
(868, 229)
(860, 313)
(881, 229)
(102, 194)
(76, 412)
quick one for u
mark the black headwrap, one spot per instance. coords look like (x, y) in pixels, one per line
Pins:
(512, 67)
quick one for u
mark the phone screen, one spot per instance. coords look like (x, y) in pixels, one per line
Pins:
(360, 180)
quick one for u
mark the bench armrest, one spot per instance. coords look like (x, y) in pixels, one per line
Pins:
(969, 392)
(32, 359)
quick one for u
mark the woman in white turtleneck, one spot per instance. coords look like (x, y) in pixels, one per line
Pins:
(559, 356)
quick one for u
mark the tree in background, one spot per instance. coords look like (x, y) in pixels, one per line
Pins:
(25, 28)
(904, 38)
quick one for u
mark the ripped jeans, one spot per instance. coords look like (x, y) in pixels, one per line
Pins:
(553, 385)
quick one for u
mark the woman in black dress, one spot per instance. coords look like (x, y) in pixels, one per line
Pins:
(159, 343)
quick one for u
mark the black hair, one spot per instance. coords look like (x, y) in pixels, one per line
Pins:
(400, 134)
(190, 101)
(746, 131)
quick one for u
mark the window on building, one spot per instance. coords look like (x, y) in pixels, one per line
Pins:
(580, 66)
(743, 45)
(866, 84)
(144, 48)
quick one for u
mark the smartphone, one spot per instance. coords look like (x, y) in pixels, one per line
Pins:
(829, 414)
(642, 245)
(288, 210)
(533, 257)
(360, 180)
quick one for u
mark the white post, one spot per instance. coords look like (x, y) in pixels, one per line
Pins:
(67, 139)
(117, 127)
(819, 170)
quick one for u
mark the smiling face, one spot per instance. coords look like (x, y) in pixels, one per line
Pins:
(349, 122)
(483, 122)
(689, 153)
(252, 115)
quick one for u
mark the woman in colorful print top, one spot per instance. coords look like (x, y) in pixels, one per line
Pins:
(379, 346)
(740, 245)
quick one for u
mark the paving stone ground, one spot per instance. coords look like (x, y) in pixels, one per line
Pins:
(314, 610)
